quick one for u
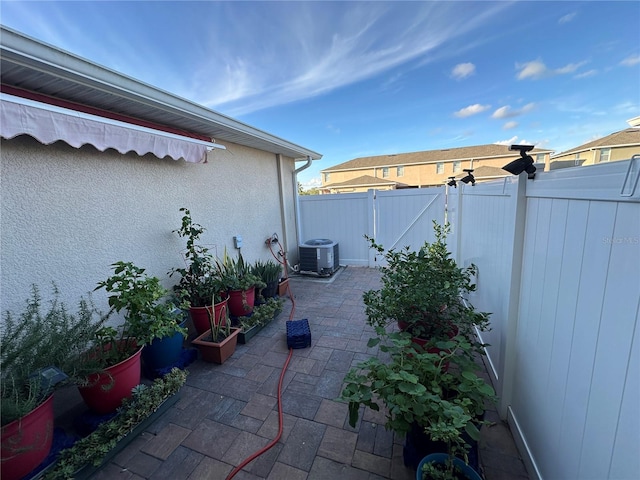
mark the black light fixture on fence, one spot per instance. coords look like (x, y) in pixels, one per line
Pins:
(469, 177)
(522, 164)
(452, 182)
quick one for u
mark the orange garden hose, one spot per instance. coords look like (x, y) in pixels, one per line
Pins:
(273, 442)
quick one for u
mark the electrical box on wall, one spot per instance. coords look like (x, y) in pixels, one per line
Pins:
(237, 241)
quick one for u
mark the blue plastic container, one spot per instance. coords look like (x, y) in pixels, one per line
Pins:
(298, 333)
(162, 352)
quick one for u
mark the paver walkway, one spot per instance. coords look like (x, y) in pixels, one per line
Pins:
(227, 412)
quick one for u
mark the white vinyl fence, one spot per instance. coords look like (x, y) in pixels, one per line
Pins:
(559, 267)
(395, 218)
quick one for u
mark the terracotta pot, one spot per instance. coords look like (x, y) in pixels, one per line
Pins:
(107, 389)
(200, 315)
(26, 442)
(241, 302)
(283, 287)
(214, 352)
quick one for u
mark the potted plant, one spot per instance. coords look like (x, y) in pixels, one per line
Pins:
(114, 363)
(30, 345)
(421, 292)
(218, 343)
(198, 282)
(261, 316)
(446, 404)
(269, 273)
(443, 466)
(240, 284)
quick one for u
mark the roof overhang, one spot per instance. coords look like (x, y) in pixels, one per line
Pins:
(31, 65)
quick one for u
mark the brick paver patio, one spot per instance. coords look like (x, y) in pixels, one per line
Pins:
(227, 412)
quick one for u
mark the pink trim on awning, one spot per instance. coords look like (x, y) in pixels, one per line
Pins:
(48, 124)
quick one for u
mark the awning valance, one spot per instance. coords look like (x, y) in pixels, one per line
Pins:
(50, 123)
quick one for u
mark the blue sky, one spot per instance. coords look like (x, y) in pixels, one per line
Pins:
(352, 79)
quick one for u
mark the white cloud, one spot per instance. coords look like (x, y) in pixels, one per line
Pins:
(333, 129)
(306, 49)
(567, 18)
(536, 69)
(313, 183)
(471, 110)
(507, 112)
(509, 125)
(502, 112)
(569, 68)
(588, 73)
(514, 141)
(463, 70)
(630, 61)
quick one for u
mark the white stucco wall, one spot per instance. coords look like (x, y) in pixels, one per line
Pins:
(67, 214)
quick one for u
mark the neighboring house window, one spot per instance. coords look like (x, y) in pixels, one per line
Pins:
(457, 165)
(385, 172)
(605, 153)
(540, 158)
(400, 171)
(440, 167)
(326, 177)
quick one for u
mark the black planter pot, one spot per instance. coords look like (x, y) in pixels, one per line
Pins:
(418, 445)
(270, 290)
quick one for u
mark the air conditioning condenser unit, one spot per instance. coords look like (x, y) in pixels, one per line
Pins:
(319, 256)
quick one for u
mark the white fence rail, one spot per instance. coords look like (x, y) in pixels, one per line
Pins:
(559, 268)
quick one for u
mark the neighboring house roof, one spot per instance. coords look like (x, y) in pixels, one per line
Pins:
(429, 156)
(31, 65)
(623, 138)
(363, 181)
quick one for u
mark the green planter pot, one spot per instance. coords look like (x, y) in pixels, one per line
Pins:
(245, 336)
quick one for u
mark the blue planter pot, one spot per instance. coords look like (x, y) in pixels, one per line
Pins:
(163, 352)
(441, 459)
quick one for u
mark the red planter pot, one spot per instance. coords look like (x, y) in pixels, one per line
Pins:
(26, 442)
(200, 315)
(217, 352)
(241, 302)
(107, 389)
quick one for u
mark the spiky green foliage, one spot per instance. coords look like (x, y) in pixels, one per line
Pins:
(38, 338)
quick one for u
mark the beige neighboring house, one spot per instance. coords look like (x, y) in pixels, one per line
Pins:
(620, 145)
(422, 169)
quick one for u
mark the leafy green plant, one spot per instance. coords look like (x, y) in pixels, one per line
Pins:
(422, 291)
(198, 282)
(36, 339)
(438, 390)
(147, 313)
(262, 314)
(92, 449)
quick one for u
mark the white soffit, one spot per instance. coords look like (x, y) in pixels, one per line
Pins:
(50, 123)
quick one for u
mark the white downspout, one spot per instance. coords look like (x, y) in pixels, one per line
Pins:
(297, 198)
